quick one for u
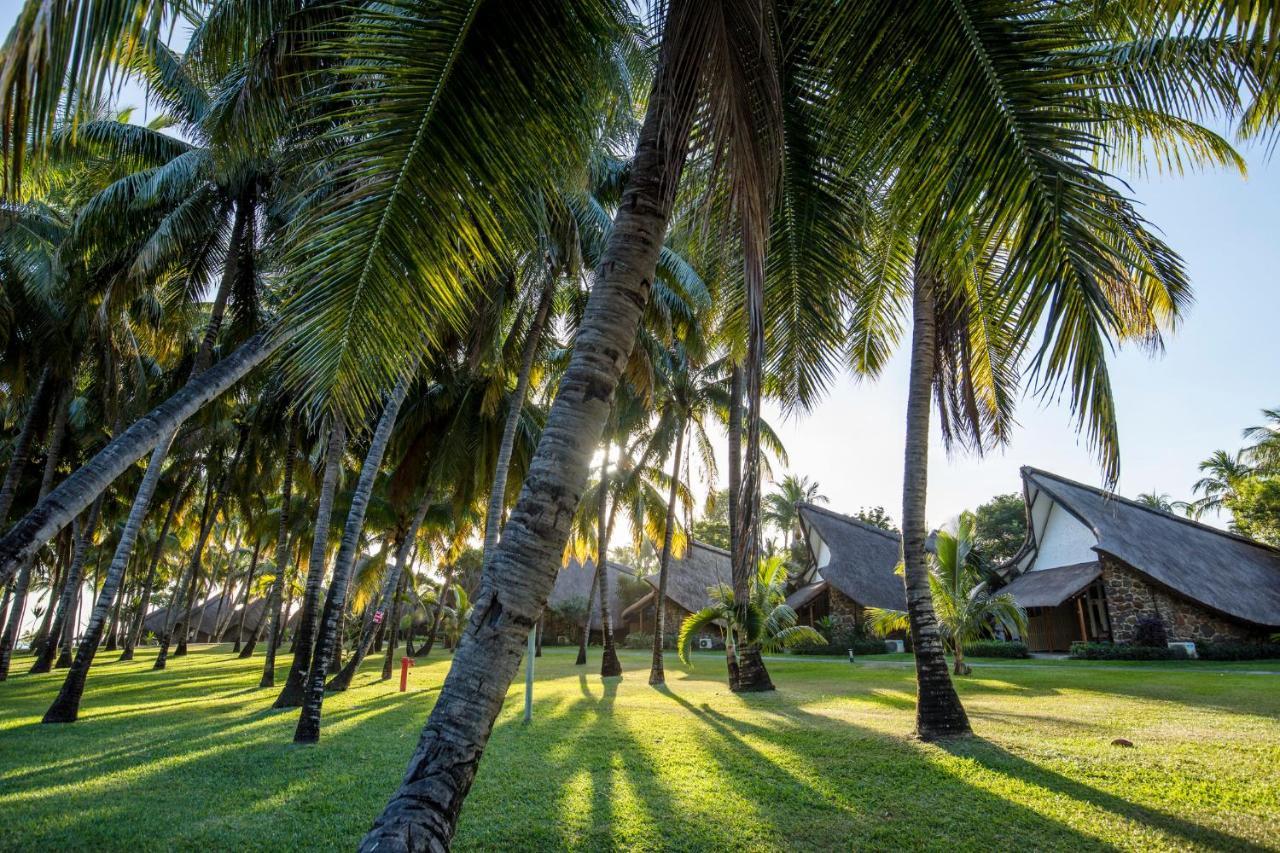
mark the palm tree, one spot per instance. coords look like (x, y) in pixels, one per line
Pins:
(959, 585)
(1224, 472)
(292, 694)
(308, 730)
(780, 505)
(764, 619)
(1162, 502)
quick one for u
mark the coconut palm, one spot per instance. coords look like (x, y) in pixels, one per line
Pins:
(780, 505)
(959, 583)
(1223, 474)
(764, 620)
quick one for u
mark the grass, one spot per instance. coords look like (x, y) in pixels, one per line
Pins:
(191, 758)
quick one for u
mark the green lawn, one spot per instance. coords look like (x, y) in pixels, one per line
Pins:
(191, 759)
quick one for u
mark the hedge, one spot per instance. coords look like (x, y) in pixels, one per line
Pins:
(859, 645)
(1112, 651)
(996, 649)
(1238, 651)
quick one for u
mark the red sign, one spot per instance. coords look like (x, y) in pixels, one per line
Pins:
(377, 617)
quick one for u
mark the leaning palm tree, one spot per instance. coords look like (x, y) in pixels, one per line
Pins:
(967, 608)
(1223, 474)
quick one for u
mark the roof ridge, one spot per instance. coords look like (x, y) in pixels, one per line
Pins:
(698, 543)
(839, 516)
(1159, 513)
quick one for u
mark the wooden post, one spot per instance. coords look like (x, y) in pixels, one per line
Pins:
(1084, 633)
(528, 677)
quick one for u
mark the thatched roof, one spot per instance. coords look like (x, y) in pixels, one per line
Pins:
(574, 581)
(1051, 587)
(1225, 572)
(691, 577)
(863, 557)
(803, 596)
(202, 616)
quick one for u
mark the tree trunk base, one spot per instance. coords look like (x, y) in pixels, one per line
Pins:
(342, 680)
(582, 657)
(163, 657)
(181, 650)
(64, 660)
(610, 666)
(126, 655)
(235, 648)
(752, 677)
(247, 651)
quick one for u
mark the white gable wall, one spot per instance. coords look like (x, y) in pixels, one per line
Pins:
(1062, 538)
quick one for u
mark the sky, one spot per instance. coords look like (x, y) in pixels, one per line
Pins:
(1218, 371)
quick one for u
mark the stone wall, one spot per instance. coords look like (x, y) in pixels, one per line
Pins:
(845, 608)
(1130, 597)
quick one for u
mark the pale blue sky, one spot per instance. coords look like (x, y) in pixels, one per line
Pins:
(1220, 368)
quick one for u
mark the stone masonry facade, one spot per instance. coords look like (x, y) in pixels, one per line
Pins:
(845, 608)
(1130, 597)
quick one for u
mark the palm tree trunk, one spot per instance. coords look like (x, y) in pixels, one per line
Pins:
(753, 677)
(435, 619)
(148, 586)
(184, 589)
(53, 454)
(610, 666)
(153, 430)
(515, 405)
(295, 686)
(22, 446)
(394, 627)
(735, 496)
(657, 674)
(939, 713)
(586, 620)
(515, 584)
(342, 680)
(335, 604)
(271, 607)
(83, 535)
(248, 588)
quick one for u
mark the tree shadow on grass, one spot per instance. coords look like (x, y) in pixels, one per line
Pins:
(878, 782)
(998, 760)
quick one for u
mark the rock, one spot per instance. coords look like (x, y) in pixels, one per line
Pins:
(1122, 742)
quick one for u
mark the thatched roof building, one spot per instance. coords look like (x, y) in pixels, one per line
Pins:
(853, 567)
(1095, 564)
(690, 578)
(574, 582)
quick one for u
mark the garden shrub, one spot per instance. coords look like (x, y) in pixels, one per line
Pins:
(1150, 632)
(1112, 651)
(996, 649)
(636, 640)
(1238, 651)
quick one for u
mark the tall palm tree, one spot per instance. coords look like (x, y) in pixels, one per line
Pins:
(1223, 474)
(292, 694)
(780, 505)
(967, 609)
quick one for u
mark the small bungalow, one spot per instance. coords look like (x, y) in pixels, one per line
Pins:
(573, 586)
(690, 579)
(853, 568)
(1095, 564)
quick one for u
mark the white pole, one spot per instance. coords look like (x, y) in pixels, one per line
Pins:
(528, 675)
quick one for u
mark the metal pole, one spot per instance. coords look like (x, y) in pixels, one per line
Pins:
(528, 675)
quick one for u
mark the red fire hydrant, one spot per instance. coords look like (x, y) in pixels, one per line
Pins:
(405, 663)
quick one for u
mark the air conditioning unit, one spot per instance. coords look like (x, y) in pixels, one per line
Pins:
(1189, 648)
(893, 646)
(706, 643)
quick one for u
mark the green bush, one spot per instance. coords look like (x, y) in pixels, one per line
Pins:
(1112, 651)
(645, 641)
(1238, 651)
(860, 646)
(996, 649)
